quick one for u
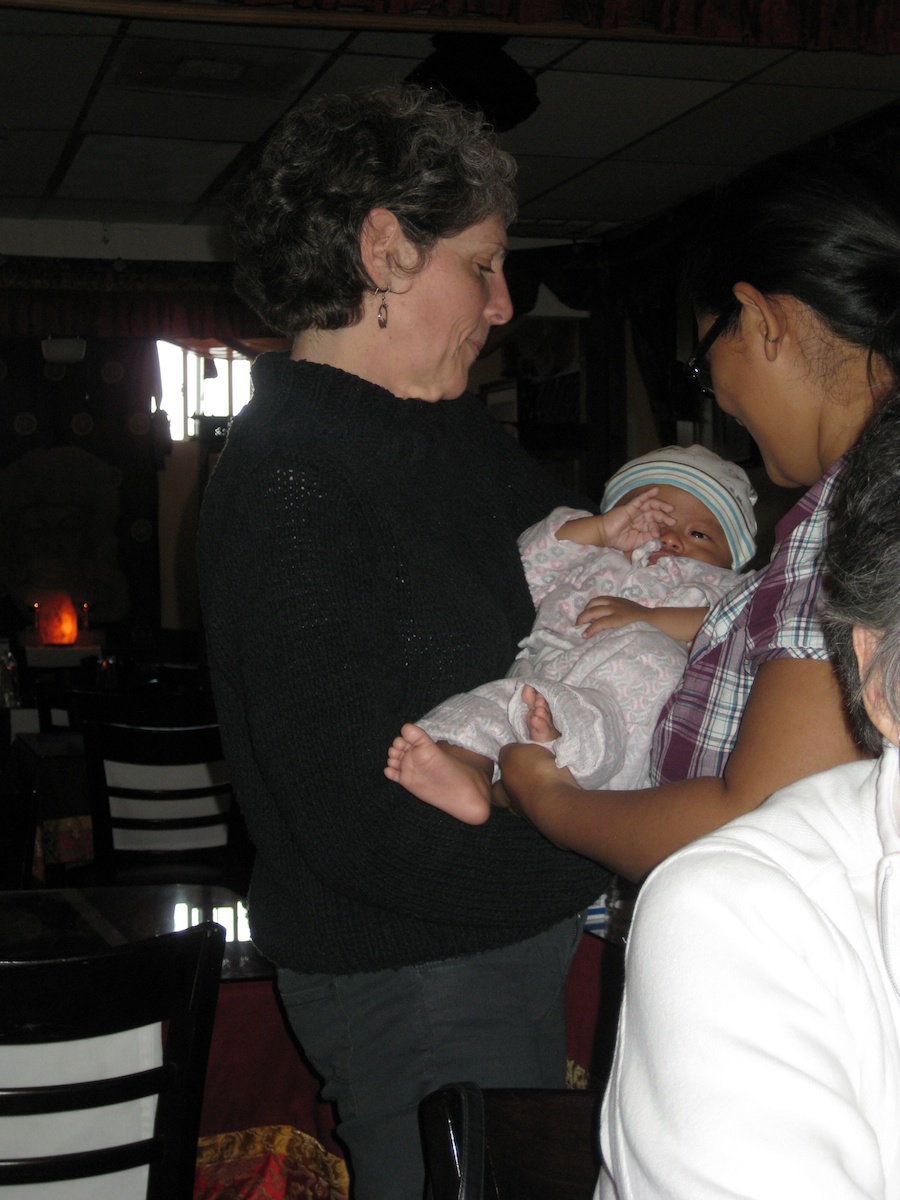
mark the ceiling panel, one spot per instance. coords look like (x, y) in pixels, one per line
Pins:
(753, 122)
(590, 116)
(152, 169)
(624, 191)
(44, 80)
(108, 119)
(27, 161)
(673, 61)
(835, 70)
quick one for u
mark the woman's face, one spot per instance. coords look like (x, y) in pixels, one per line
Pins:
(779, 407)
(439, 318)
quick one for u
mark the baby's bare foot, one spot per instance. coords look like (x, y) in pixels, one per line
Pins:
(538, 718)
(448, 777)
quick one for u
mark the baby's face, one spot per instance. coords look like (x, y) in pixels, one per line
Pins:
(696, 532)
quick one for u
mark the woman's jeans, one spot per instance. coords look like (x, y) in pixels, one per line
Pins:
(383, 1040)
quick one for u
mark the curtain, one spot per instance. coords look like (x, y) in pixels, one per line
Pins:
(865, 25)
(52, 297)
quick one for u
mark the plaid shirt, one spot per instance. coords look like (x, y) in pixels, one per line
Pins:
(772, 615)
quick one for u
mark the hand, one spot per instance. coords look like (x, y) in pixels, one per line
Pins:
(530, 777)
(610, 612)
(641, 520)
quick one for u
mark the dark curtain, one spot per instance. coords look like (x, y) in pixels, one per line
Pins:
(102, 405)
(106, 299)
(872, 26)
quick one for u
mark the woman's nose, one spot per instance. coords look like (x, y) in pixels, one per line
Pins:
(499, 308)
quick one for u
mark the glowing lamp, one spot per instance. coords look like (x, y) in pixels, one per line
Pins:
(57, 621)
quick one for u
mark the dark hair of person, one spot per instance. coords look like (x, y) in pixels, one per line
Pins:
(299, 212)
(822, 231)
(862, 562)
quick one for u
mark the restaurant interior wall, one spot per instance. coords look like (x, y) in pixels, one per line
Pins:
(100, 409)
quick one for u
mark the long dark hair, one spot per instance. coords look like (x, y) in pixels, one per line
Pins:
(824, 232)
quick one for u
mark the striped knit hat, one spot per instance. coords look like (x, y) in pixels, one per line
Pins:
(722, 486)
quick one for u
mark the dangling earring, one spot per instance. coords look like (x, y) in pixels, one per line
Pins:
(382, 313)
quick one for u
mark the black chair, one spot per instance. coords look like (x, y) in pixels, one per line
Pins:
(162, 808)
(510, 1143)
(161, 701)
(49, 1006)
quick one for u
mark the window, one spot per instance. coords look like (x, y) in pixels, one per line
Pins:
(214, 383)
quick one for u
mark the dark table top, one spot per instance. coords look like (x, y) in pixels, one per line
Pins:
(66, 922)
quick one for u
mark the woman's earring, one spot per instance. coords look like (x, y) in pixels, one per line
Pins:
(382, 313)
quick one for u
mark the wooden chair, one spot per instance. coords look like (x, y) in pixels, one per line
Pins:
(162, 807)
(52, 1080)
(510, 1143)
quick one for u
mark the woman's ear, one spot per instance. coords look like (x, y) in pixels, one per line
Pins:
(378, 240)
(762, 316)
(865, 643)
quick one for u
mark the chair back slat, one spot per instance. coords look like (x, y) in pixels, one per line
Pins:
(89, 1093)
(83, 1164)
(76, 1038)
(162, 804)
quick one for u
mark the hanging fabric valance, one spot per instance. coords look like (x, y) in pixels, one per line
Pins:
(871, 26)
(50, 297)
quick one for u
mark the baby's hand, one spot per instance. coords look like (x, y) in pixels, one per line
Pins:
(610, 612)
(641, 520)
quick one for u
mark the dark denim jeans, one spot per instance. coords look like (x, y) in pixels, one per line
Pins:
(384, 1039)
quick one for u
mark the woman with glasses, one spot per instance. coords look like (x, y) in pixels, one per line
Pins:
(759, 1046)
(795, 280)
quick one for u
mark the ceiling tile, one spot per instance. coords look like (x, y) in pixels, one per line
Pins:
(414, 46)
(836, 70)
(199, 90)
(751, 123)
(171, 116)
(539, 51)
(146, 210)
(539, 172)
(623, 191)
(51, 24)
(211, 69)
(44, 79)
(164, 170)
(353, 71)
(669, 61)
(624, 128)
(27, 161)
(611, 111)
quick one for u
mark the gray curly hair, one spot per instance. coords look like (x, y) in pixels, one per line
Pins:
(298, 215)
(862, 560)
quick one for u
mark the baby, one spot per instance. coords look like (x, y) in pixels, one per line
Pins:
(619, 598)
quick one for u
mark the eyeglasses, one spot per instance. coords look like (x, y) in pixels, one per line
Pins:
(696, 369)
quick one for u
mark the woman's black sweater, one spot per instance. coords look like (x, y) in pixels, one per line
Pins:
(358, 564)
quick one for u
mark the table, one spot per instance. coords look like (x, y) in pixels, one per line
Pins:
(256, 1074)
